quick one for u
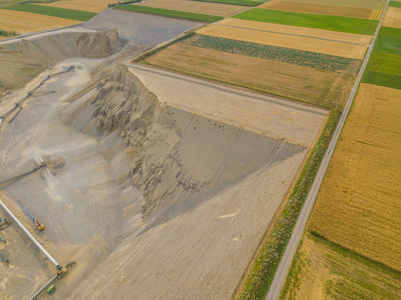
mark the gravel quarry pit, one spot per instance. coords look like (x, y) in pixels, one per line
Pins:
(153, 200)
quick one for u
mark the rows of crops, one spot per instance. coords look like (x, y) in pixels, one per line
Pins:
(292, 56)
(234, 2)
(384, 66)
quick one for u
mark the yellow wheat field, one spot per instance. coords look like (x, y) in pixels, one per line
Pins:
(23, 22)
(392, 17)
(302, 31)
(359, 205)
(95, 6)
(288, 41)
(208, 8)
(324, 9)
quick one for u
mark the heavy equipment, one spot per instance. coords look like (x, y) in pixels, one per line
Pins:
(39, 226)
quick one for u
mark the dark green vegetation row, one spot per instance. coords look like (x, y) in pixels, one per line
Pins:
(7, 33)
(234, 2)
(261, 275)
(53, 11)
(286, 55)
(170, 13)
(334, 23)
(384, 67)
(395, 4)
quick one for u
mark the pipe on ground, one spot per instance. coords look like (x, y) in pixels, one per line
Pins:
(44, 287)
(40, 247)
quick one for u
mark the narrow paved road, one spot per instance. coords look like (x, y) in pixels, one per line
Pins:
(285, 263)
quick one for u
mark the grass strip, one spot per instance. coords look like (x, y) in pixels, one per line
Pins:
(333, 23)
(170, 13)
(258, 280)
(395, 4)
(7, 33)
(53, 11)
(292, 56)
(234, 2)
(382, 79)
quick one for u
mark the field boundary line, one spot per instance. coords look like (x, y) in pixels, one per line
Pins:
(286, 260)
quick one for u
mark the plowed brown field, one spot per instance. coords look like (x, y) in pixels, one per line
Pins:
(323, 9)
(359, 203)
(280, 40)
(23, 22)
(392, 17)
(294, 82)
(95, 6)
(215, 9)
(303, 31)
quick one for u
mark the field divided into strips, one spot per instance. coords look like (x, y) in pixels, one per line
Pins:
(23, 22)
(358, 206)
(384, 67)
(335, 23)
(196, 7)
(323, 270)
(52, 11)
(170, 13)
(94, 6)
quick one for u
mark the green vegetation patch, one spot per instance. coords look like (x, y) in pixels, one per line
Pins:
(382, 79)
(7, 33)
(389, 40)
(53, 11)
(286, 55)
(258, 281)
(234, 2)
(170, 13)
(334, 23)
(387, 63)
(395, 4)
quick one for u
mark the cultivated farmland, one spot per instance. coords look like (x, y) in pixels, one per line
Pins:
(206, 8)
(295, 30)
(326, 271)
(393, 17)
(358, 205)
(23, 22)
(94, 6)
(335, 23)
(234, 2)
(324, 9)
(372, 4)
(294, 42)
(283, 79)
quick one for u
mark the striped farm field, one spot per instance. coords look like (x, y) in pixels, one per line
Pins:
(206, 8)
(294, 42)
(302, 31)
(358, 206)
(335, 23)
(392, 17)
(370, 4)
(94, 6)
(23, 22)
(304, 84)
(324, 9)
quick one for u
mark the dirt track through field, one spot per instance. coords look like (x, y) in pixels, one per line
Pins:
(301, 31)
(294, 42)
(393, 17)
(23, 22)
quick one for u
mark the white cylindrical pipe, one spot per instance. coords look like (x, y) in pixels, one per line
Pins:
(44, 287)
(43, 250)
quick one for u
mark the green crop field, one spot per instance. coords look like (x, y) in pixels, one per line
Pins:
(384, 66)
(53, 11)
(292, 56)
(234, 2)
(334, 23)
(170, 13)
(395, 4)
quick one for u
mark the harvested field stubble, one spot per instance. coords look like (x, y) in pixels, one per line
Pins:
(335, 23)
(392, 17)
(294, 42)
(352, 3)
(286, 55)
(323, 270)
(358, 205)
(323, 9)
(95, 6)
(305, 84)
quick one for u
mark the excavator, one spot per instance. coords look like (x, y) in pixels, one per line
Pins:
(39, 226)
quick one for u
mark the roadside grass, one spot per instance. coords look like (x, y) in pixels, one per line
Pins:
(234, 2)
(293, 56)
(53, 11)
(342, 273)
(333, 23)
(395, 4)
(257, 282)
(170, 13)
